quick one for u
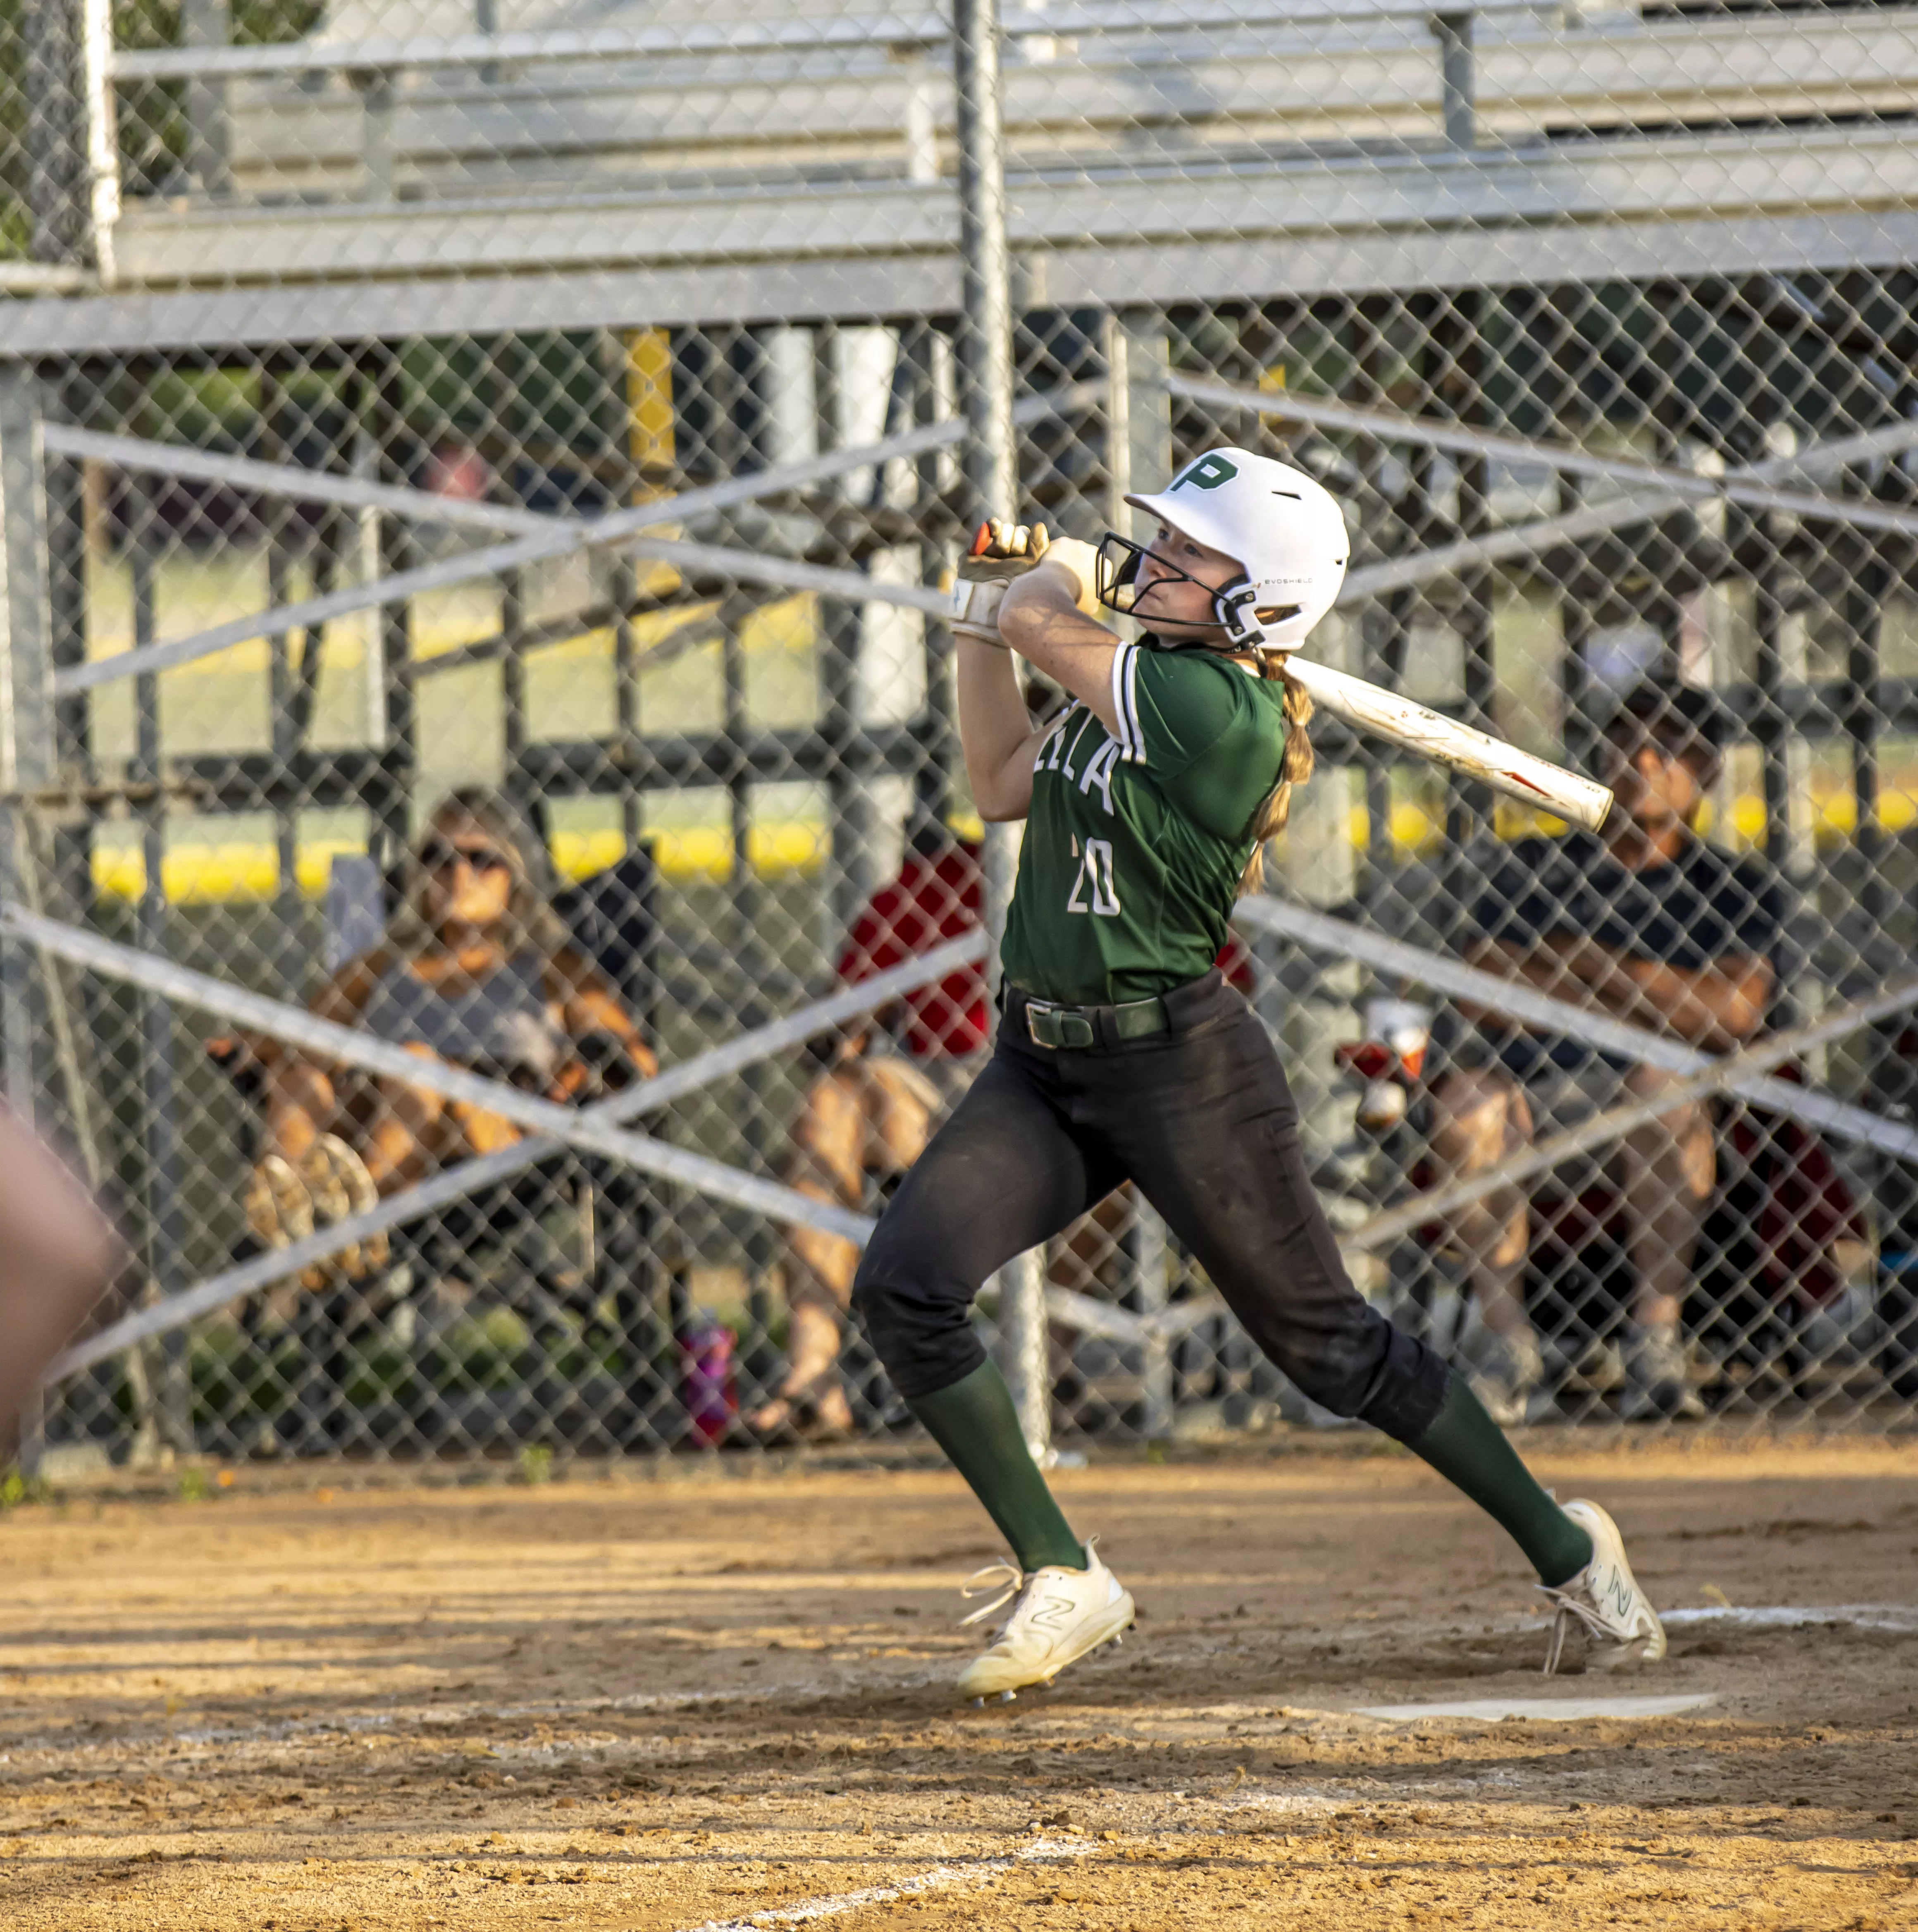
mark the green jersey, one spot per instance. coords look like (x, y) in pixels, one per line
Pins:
(1134, 845)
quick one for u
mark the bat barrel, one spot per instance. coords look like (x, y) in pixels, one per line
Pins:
(1536, 782)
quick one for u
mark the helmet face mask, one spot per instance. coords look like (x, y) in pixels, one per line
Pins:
(1121, 563)
(1236, 608)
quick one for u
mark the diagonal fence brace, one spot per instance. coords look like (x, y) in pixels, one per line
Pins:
(544, 537)
(1515, 540)
(703, 1070)
(1742, 1073)
(352, 1047)
(1323, 932)
(1740, 486)
(1735, 1072)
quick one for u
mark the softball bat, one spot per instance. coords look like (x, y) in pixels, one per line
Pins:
(1535, 781)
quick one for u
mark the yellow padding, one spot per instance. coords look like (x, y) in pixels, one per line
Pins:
(244, 871)
(248, 871)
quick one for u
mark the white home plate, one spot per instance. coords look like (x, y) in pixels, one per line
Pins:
(1563, 1709)
(1778, 1616)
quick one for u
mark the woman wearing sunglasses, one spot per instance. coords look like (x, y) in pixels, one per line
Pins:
(476, 969)
(1123, 1055)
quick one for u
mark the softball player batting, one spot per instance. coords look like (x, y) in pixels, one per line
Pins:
(1121, 1054)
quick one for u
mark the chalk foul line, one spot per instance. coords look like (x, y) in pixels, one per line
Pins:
(939, 1878)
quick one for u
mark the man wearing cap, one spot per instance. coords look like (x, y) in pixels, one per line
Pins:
(1646, 922)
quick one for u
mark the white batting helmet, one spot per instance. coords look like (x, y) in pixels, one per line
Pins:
(1285, 528)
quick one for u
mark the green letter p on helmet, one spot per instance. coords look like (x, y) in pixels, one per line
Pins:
(1208, 473)
(1284, 527)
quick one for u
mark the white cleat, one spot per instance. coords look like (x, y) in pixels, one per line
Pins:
(1622, 1630)
(1057, 1615)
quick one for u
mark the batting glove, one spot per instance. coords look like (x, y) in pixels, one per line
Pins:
(1001, 552)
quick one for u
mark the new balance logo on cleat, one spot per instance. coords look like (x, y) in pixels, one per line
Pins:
(1057, 1616)
(1622, 1630)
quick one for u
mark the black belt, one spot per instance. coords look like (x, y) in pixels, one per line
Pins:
(1054, 1024)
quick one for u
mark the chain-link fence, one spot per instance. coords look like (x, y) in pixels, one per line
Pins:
(477, 484)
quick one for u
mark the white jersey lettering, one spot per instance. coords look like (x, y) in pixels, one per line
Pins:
(1105, 886)
(1099, 772)
(1046, 758)
(1095, 870)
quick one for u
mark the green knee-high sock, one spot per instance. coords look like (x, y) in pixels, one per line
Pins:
(975, 1423)
(1469, 1449)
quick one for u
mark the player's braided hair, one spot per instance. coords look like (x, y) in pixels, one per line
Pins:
(1295, 767)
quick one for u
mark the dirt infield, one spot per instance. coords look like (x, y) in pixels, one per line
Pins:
(669, 1705)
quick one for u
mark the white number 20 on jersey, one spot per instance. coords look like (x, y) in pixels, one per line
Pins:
(1095, 870)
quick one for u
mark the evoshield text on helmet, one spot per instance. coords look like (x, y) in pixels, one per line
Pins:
(1284, 528)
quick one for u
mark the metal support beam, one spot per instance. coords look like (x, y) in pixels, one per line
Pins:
(351, 1046)
(1153, 1257)
(807, 33)
(1748, 486)
(1736, 1073)
(550, 537)
(696, 560)
(703, 1070)
(26, 695)
(26, 730)
(103, 140)
(985, 331)
(1535, 539)
(1457, 83)
(52, 104)
(1138, 412)
(985, 349)
(26, 670)
(1739, 1073)
(1340, 938)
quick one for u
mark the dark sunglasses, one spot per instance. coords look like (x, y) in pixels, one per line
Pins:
(442, 855)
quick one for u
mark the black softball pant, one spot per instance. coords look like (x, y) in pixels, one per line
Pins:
(1202, 1119)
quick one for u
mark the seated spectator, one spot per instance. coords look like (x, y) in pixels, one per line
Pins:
(1646, 922)
(476, 971)
(868, 1115)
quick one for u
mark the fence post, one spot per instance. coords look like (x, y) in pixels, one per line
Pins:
(1138, 411)
(26, 731)
(1458, 84)
(103, 140)
(207, 23)
(992, 473)
(1138, 458)
(985, 322)
(1154, 1253)
(54, 135)
(163, 1180)
(26, 670)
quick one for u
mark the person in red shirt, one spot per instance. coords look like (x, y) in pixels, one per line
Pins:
(868, 1116)
(939, 895)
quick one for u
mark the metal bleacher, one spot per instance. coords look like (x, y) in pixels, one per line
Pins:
(782, 159)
